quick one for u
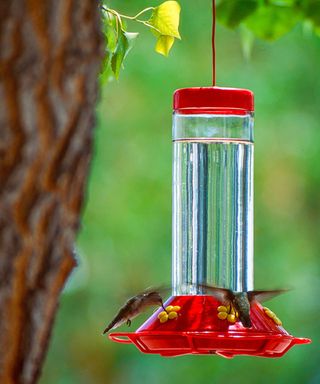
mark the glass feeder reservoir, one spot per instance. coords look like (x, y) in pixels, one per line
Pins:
(212, 189)
(212, 228)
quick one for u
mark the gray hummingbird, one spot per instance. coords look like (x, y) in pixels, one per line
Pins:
(134, 306)
(241, 301)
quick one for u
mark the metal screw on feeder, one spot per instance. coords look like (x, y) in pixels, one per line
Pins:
(212, 233)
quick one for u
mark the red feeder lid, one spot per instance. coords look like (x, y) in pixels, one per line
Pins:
(213, 100)
(196, 329)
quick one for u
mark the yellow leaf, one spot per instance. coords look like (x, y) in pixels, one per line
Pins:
(164, 44)
(165, 19)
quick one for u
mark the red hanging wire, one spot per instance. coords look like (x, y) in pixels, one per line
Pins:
(213, 43)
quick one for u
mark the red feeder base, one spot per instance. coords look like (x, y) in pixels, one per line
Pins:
(198, 330)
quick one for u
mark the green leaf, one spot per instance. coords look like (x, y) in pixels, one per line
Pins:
(164, 44)
(165, 19)
(232, 12)
(270, 22)
(110, 31)
(131, 37)
(106, 73)
(111, 37)
(124, 44)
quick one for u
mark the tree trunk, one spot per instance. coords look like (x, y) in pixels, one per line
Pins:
(50, 53)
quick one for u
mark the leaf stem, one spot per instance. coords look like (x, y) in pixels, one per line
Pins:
(148, 25)
(128, 17)
(143, 11)
(135, 18)
(116, 14)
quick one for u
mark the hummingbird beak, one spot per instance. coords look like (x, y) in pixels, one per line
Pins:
(161, 302)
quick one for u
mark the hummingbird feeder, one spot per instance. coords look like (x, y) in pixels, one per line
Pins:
(212, 242)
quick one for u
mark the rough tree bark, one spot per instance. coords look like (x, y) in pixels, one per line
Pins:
(50, 53)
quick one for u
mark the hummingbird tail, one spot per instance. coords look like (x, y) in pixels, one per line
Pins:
(107, 329)
(114, 324)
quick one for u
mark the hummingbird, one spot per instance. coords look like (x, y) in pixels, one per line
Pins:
(241, 301)
(134, 306)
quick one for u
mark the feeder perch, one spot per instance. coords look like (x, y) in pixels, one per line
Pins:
(212, 234)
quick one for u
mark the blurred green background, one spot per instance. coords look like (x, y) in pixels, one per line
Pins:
(125, 241)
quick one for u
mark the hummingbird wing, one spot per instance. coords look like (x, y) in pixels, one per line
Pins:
(222, 294)
(161, 290)
(262, 296)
